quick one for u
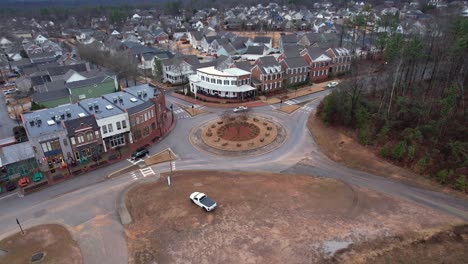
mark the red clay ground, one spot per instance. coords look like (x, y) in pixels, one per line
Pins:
(52, 239)
(261, 218)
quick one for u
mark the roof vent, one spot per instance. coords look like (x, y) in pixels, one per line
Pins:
(31, 123)
(139, 94)
(115, 99)
(145, 93)
(133, 99)
(90, 107)
(96, 106)
(68, 112)
(62, 116)
(81, 114)
(109, 107)
(50, 122)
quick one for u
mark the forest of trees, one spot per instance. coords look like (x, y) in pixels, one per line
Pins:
(413, 110)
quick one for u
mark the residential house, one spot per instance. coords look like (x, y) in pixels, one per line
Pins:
(287, 40)
(319, 63)
(267, 74)
(160, 36)
(296, 70)
(260, 40)
(196, 38)
(177, 69)
(42, 57)
(39, 39)
(5, 43)
(254, 52)
(340, 60)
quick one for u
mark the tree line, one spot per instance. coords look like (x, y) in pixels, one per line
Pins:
(413, 110)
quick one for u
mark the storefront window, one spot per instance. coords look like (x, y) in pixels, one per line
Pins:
(89, 136)
(117, 140)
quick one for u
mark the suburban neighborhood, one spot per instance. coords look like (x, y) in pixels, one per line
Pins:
(269, 132)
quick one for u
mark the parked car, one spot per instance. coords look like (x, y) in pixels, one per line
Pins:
(8, 84)
(10, 186)
(140, 153)
(23, 182)
(240, 109)
(332, 84)
(10, 91)
(203, 201)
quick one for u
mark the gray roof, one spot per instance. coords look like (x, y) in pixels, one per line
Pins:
(80, 122)
(55, 85)
(261, 39)
(140, 107)
(143, 92)
(87, 82)
(315, 52)
(255, 50)
(291, 38)
(267, 61)
(41, 55)
(14, 153)
(103, 110)
(190, 59)
(244, 65)
(62, 70)
(296, 62)
(49, 96)
(238, 44)
(125, 101)
(197, 35)
(291, 51)
(41, 127)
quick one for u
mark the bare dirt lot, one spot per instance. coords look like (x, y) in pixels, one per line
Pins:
(52, 239)
(261, 218)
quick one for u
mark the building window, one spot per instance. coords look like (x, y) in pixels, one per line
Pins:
(152, 113)
(109, 127)
(117, 140)
(132, 122)
(118, 125)
(213, 80)
(124, 124)
(65, 143)
(77, 155)
(219, 82)
(50, 145)
(145, 131)
(203, 78)
(146, 116)
(72, 139)
(141, 119)
(96, 133)
(89, 136)
(80, 139)
(226, 82)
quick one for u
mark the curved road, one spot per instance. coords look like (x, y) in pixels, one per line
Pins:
(87, 204)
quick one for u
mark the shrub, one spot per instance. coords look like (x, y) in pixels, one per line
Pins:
(209, 134)
(411, 152)
(219, 122)
(269, 128)
(224, 144)
(267, 134)
(255, 119)
(239, 144)
(213, 126)
(385, 152)
(262, 139)
(422, 164)
(383, 133)
(265, 123)
(412, 135)
(363, 136)
(460, 183)
(442, 176)
(399, 150)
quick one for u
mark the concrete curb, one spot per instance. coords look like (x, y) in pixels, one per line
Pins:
(124, 214)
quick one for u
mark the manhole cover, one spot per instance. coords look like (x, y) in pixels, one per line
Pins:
(37, 257)
(198, 184)
(3, 252)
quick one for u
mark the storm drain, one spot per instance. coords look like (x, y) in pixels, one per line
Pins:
(38, 257)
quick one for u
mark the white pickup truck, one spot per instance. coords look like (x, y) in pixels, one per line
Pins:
(203, 201)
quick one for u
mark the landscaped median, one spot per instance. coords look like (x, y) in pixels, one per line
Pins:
(54, 241)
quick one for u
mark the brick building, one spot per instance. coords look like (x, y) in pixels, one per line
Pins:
(267, 74)
(319, 63)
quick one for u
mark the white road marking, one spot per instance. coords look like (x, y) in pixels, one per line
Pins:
(134, 177)
(133, 161)
(147, 171)
(291, 102)
(272, 107)
(9, 195)
(173, 166)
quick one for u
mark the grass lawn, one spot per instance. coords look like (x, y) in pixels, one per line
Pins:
(52, 239)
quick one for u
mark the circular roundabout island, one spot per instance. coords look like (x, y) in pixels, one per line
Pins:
(238, 134)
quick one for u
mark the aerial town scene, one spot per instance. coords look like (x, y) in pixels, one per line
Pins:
(205, 131)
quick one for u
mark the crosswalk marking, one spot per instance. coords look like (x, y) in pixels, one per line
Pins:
(306, 109)
(173, 166)
(134, 161)
(291, 102)
(147, 171)
(134, 177)
(273, 107)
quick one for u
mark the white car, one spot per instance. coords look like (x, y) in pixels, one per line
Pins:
(240, 109)
(10, 91)
(332, 84)
(203, 201)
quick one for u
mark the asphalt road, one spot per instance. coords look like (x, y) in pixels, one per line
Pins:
(6, 123)
(87, 204)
